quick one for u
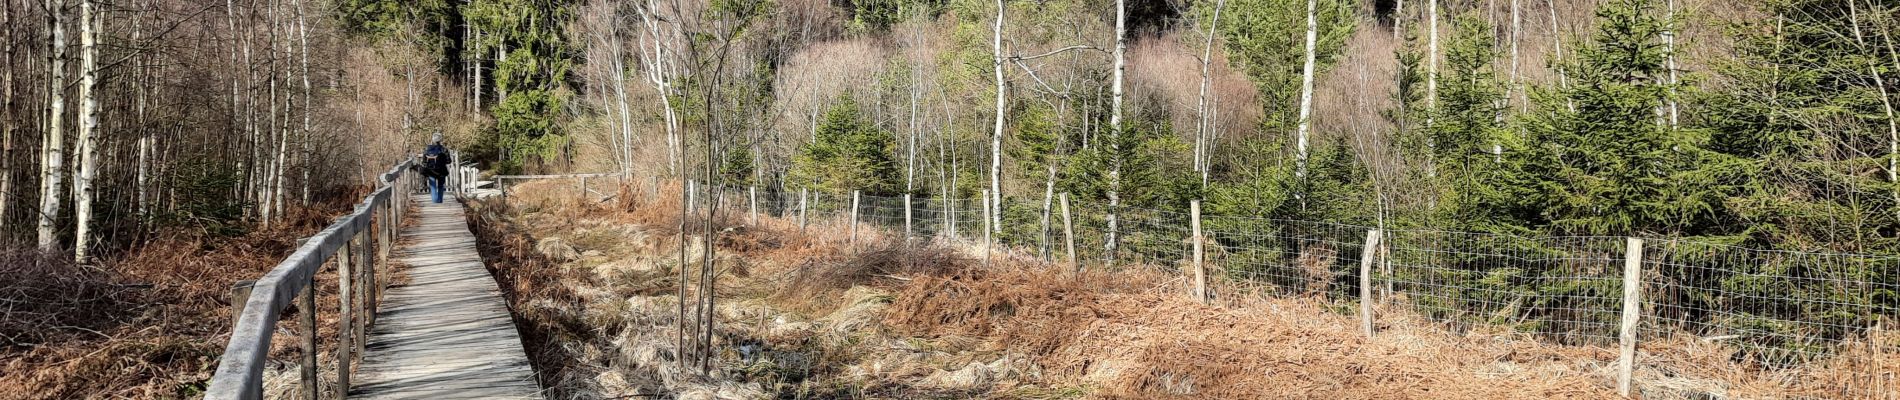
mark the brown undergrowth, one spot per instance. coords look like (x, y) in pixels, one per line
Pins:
(149, 322)
(806, 313)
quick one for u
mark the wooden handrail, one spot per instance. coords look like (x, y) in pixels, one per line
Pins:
(240, 373)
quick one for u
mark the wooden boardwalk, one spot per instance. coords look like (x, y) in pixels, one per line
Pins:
(447, 333)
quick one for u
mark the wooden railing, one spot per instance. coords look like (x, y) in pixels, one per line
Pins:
(357, 243)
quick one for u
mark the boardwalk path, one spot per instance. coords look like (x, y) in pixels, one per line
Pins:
(447, 333)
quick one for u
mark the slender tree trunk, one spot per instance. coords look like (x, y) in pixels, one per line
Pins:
(1669, 46)
(620, 97)
(996, 137)
(303, 50)
(1886, 102)
(52, 146)
(1204, 126)
(88, 129)
(1115, 133)
(7, 123)
(1431, 60)
(1306, 83)
(1557, 50)
(1398, 19)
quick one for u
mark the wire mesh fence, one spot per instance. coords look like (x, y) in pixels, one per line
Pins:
(1775, 307)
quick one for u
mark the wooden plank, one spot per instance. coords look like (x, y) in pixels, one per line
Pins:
(448, 332)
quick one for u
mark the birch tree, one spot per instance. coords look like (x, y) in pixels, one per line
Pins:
(1306, 84)
(88, 141)
(52, 142)
(6, 111)
(996, 136)
(1115, 130)
(1204, 124)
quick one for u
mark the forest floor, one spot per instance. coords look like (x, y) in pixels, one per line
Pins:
(148, 322)
(803, 314)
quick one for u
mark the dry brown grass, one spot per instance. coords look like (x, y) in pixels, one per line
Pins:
(149, 323)
(891, 322)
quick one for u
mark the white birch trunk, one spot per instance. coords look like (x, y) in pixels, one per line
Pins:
(1669, 46)
(1431, 60)
(1886, 103)
(1115, 131)
(88, 142)
(6, 113)
(52, 146)
(1306, 84)
(1204, 127)
(303, 50)
(1398, 19)
(996, 136)
(620, 97)
(1557, 50)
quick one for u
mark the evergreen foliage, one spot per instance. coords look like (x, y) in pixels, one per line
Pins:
(849, 153)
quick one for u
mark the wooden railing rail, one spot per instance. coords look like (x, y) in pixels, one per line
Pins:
(357, 243)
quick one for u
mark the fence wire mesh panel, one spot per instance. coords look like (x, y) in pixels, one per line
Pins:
(1285, 258)
(1774, 307)
(1566, 289)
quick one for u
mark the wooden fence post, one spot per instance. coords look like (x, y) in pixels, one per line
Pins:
(907, 219)
(307, 305)
(802, 194)
(1632, 306)
(343, 319)
(583, 187)
(1366, 255)
(986, 227)
(1068, 233)
(854, 219)
(752, 203)
(1200, 266)
(950, 215)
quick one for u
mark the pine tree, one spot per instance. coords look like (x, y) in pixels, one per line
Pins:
(1613, 166)
(849, 153)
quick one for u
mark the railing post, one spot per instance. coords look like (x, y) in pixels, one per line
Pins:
(752, 204)
(240, 294)
(345, 315)
(907, 219)
(1366, 255)
(1200, 269)
(307, 306)
(1068, 233)
(1632, 306)
(854, 219)
(363, 281)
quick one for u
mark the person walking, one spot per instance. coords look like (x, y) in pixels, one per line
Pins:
(435, 167)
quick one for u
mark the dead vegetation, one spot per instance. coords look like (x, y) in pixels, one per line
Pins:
(149, 323)
(802, 315)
